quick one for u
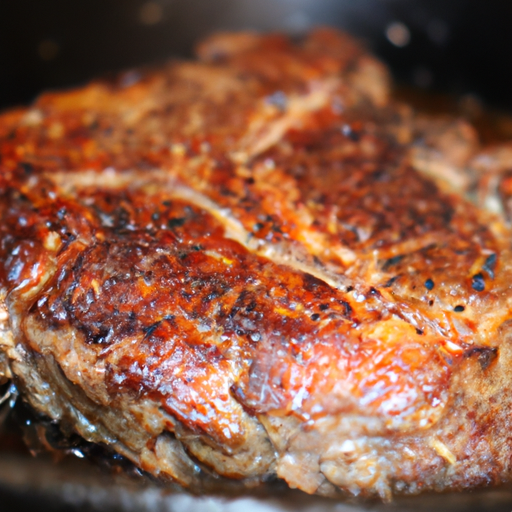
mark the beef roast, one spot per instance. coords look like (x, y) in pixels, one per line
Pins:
(258, 265)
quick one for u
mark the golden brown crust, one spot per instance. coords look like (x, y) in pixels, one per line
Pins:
(239, 253)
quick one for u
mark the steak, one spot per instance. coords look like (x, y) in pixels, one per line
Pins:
(258, 265)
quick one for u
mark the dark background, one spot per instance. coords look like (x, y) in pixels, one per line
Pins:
(456, 46)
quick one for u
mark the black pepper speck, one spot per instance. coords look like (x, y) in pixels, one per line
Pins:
(490, 265)
(478, 283)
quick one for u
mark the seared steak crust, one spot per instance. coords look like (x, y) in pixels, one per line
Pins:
(254, 265)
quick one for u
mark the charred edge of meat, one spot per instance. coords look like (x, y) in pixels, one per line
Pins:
(486, 355)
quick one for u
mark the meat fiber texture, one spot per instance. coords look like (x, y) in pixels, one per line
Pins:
(256, 265)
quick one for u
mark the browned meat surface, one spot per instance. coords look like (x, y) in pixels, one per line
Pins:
(257, 265)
